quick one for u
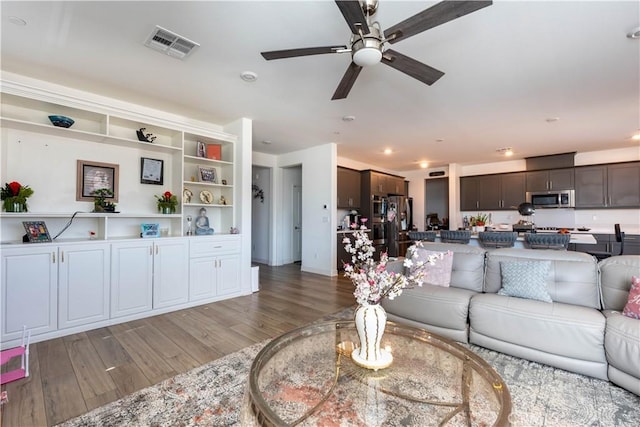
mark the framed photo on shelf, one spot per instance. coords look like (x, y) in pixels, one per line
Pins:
(149, 230)
(151, 171)
(201, 149)
(92, 176)
(207, 174)
(36, 232)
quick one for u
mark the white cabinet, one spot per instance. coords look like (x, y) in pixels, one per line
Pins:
(29, 290)
(131, 277)
(83, 284)
(148, 274)
(214, 267)
(170, 272)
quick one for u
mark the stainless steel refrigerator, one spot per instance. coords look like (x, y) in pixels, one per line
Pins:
(399, 217)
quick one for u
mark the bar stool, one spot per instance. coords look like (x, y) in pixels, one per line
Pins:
(600, 255)
(425, 236)
(497, 239)
(455, 236)
(547, 241)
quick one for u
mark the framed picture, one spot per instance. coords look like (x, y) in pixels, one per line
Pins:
(36, 232)
(149, 230)
(201, 149)
(151, 171)
(207, 174)
(92, 176)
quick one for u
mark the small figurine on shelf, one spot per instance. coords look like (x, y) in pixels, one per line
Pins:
(202, 224)
(234, 230)
(189, 229)
(145, 137)
(187, 195)
(222, 201)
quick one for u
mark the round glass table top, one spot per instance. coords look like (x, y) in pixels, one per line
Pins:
(306, 377)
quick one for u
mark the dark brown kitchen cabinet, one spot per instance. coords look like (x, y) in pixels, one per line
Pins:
(492, 192)
(608, 186)
(547, 180)
(382, 184)
(348, 188)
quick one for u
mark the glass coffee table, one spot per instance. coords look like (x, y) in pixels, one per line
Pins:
(306, 377)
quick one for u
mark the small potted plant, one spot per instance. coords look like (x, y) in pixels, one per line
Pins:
(100, 203)
(167, 203)
(14, 196)
(480, 221)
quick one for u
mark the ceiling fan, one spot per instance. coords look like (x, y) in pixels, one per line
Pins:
(368, 40)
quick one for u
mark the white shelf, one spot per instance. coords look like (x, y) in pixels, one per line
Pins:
(194, 159)
(209, 205)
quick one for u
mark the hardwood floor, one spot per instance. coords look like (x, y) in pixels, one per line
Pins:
(77, 373)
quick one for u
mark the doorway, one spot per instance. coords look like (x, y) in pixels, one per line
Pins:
(296, 238)
(436, 201)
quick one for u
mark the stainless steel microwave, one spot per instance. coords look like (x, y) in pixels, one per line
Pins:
(551, 199)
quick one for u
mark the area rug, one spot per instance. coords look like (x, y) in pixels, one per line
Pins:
(211, 395)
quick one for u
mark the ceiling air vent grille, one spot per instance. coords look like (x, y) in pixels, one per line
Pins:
(170, 43)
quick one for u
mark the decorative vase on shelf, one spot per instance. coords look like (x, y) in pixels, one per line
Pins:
(167, 210)
(11, 206)
(371, 320)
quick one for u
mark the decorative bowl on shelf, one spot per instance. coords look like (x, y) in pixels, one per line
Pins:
(61, 121)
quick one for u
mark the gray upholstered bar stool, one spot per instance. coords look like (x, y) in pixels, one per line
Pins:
(425, 236)
(455, 236)
(497, 239)
(547, 241)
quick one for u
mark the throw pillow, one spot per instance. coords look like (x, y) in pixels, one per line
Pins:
(525, 279)
(439, 273)
(632, 308)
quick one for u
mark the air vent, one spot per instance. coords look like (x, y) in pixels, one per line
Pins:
(170, 43)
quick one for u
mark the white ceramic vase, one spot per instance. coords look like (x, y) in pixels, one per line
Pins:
(371, 321)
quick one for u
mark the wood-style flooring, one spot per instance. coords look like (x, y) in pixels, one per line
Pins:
(77, 373)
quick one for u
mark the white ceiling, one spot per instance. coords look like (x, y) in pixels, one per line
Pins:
(508, 68)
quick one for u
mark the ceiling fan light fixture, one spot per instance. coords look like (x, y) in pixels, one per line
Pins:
(367, 56)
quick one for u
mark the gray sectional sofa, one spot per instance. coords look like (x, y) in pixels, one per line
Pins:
(581, 330)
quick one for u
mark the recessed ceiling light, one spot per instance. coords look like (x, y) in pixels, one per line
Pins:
(424, 165)
(348, 118)
(506, 151)
(552, 119)
(388, 151)
(17, 21)
(636, 137)
(248, 76)
(439, 140)
(267, 142)
(634, 34)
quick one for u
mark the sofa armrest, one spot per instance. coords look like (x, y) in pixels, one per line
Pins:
(396, 265)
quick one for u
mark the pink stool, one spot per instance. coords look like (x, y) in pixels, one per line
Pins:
(23, 351)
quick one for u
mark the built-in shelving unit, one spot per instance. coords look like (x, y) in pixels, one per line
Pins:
(26, 118)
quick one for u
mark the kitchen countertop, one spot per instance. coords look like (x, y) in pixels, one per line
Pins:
(350, 231)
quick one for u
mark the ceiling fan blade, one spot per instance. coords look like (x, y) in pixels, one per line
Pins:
(411, 67)
(437, 14)
(290, 53)
(353, 14)
(347, 81)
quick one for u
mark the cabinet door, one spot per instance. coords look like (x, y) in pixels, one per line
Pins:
(131, 278)
(170, 272)
(537, 180)
(513, 190)
(29, 291)
(83, 284)
(348, 188)
(343, 188)
(489, 192)
(202, 278)
(228, 274)
(469, 193)
(591, 186)
(561, 179)
(623, 185)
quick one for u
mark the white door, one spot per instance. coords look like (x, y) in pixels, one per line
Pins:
(296, 238)
(170, 272)
(131, 277)
(83, 284)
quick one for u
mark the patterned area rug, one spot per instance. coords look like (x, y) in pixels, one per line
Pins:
(211, 395)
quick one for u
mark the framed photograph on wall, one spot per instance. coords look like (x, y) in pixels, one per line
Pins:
(201, 149)
(151, 171)
(92, 176)
(36, 232)
(207, 174)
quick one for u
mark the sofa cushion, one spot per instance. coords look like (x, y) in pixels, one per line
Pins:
(573, 276)
(438, 273)
(525, 279)
(632, 307)
(622, 344)
(467, 271)
(615, 277)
